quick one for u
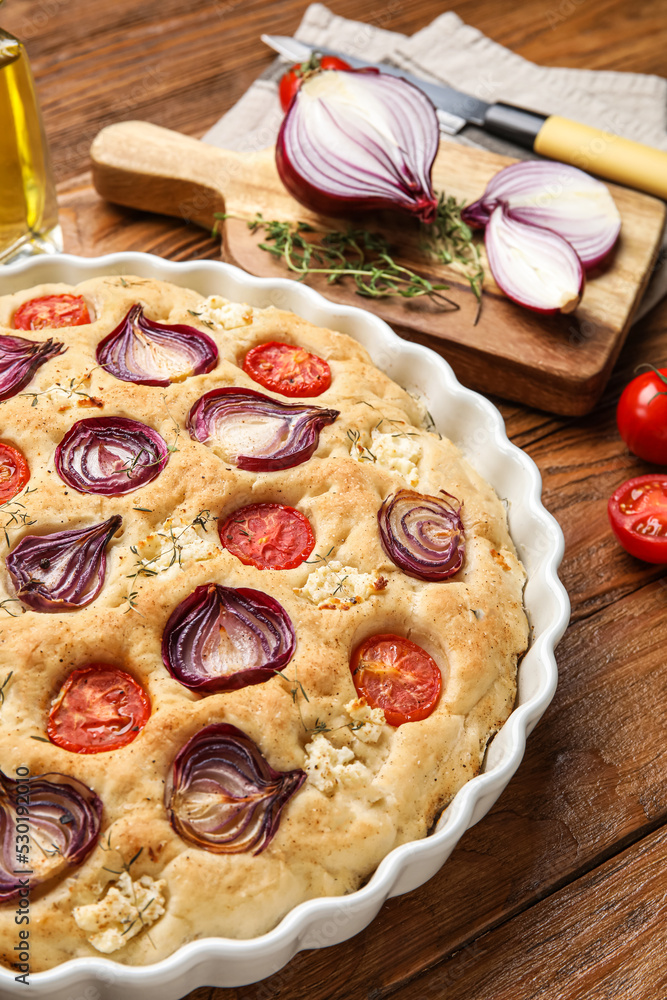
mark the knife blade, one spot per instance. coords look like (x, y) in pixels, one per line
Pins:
(603, 153)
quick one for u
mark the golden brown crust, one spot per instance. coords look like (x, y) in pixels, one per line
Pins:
(473, 625)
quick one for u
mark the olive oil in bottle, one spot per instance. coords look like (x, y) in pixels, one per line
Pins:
(28, 206)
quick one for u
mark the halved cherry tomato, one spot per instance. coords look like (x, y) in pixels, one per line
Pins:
(14, 472)
(294, 77)
(638, 516)
(398, 676)
(287, 369)
(98, 708)
(53, 311)
(268, 536)
(642, 416)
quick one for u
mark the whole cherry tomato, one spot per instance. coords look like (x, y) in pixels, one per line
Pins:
(642, 416)
(293, 78)
(638, 515)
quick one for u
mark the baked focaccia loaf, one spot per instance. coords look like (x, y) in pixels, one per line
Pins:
(339, 785)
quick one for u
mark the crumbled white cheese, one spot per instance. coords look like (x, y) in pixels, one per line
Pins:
(397, 451)
(368, 721)
(224, 314)
(126, 909)
(328, 766)
(176, 542)
(334, 586)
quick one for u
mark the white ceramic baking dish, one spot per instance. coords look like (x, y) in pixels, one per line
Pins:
(477, 427)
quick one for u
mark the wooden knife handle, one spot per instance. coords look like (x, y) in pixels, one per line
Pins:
(604, 153)
(154, 169)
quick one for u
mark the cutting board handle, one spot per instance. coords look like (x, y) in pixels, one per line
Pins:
(157, 170)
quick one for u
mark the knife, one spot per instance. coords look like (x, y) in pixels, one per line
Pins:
(603, 153)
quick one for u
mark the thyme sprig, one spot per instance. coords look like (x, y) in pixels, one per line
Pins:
(17, 512)
(206, 322)
(365, 454)
(125, 867)
(129, 466)
(358, 254)
(297, 690)
(11, 600)
(4, 687)
(325, 559)
(173, 555)
(450, 241)
(71, 389)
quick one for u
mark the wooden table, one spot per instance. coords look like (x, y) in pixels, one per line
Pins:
(561, 890)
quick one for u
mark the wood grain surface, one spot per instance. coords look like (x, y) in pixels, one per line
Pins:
(559, 892)
(560, 363)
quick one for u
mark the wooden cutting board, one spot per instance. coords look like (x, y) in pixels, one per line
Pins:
(556, 363)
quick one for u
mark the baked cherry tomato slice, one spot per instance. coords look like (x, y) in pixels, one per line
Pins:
(98, 708)
(397, 676)
(52, 310)
(638, 516)
(14, 472)
(287, 369)
(294, 77)
(642, 416)
(268, 536)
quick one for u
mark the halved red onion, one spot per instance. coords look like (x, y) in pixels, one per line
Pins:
(20, 359)
(256, 432)
(423, 534)
(535, 267)
(222, 639)
(110, 455)
(554, 196)
(355, 141)
(62, 819)
(62, 571)
(222, 794)
(149, 353)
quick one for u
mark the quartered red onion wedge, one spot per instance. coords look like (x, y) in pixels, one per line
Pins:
(62, 571)
(545, 223)
(110, 456)
(423, 534)
(65, 818)
(256, 432)
(20, 359)
(222, 639)
(149, 353)
(222, 794)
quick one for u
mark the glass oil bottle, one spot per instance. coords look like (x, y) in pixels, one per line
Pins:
(28, 206)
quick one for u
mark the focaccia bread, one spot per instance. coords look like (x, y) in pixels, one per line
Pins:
(368, 786)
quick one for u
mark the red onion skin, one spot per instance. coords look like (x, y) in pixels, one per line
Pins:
(36, 354)
(105, 426)
(209, 352)
(397, 550)
(229, 742)
(513, 298)
(326, 203)
(240, 397)
(57, 790)
(31, 590)
(185, 613)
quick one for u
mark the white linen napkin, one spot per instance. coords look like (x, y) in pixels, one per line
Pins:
(632, 105)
